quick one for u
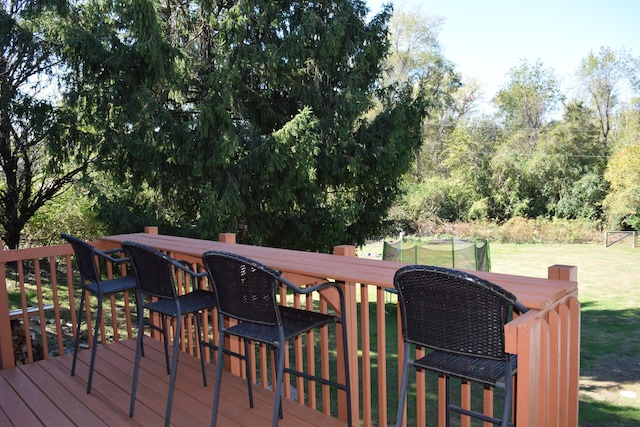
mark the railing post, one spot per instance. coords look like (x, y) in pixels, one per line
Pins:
(351, 318)
(227, 237)
(7, 359)
(563, 272)
(571, 332)
(151, 230)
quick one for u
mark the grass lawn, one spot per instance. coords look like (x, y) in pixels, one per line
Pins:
(609, 293)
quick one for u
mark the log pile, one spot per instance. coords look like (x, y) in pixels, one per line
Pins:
(20, 349)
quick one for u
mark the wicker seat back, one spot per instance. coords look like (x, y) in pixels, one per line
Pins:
(453, 311)
(85, 257)
(246, 289)
(153, 270)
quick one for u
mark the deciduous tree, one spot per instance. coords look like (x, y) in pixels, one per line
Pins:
(416, 56)
(603, 75)
(623, 201)
(527, 101)
(35, 131)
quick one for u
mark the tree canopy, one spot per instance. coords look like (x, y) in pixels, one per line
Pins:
(35, 142)
(294, 124)
(249, 116)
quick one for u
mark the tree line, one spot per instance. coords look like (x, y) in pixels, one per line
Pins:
(540, 154)
(293, 124)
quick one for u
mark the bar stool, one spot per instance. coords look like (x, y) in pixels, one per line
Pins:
(91, 282)
(460, 318)
(246, 291)
(155, 272)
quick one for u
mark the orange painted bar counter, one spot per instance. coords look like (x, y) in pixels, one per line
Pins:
(546, 338)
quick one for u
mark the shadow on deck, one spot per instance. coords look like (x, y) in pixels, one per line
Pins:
(45, 393)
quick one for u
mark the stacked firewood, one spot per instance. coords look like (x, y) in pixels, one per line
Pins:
(20, 352)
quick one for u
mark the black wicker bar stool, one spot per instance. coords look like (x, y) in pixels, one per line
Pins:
(460, 319)
(92, 282)
(156, 292)
(246, 291)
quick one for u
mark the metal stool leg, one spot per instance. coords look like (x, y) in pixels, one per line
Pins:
(174, 369)
(136, 364)
(247, 364)
(165, 337)
(403, 387)
(277, 408)
(201, 346)
(76, 344)
(94, 348)
(216, 391)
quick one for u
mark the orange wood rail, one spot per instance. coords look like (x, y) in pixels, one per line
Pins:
(546, 338)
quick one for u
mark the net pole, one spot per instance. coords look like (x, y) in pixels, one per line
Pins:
(475, 254)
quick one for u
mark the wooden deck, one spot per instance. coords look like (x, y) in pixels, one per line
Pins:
(45, 393)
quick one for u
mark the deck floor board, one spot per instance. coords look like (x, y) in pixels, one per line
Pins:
(45, 393)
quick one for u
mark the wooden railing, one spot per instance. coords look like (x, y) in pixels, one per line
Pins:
(42, 280)
(546, 339)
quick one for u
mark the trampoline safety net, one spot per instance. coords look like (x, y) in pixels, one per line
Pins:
(451, 253)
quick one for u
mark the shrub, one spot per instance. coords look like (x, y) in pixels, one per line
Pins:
(516, 230)
(71, 212)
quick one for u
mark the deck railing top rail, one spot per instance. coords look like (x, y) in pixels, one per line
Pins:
(535, 293)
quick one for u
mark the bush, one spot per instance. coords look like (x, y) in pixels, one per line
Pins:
(437, 197)
(540, 230)
(71, 212)
(516, 230)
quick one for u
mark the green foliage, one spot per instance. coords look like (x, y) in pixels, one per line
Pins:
(40, 158)
(246, 116)
(623, 201)
(292, 124)
(583, 199)
(541, 230)
(568, 164)
(415, 57)
(468, 159)
(126, 206)
(529, 97)
(437, 197)
(602, 75)
(71, 212)
(486, 175)
(514, 191)
(34, 129)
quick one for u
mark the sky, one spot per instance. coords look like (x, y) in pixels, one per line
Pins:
(487, 38)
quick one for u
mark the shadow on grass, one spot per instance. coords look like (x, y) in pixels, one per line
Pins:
(602, 414)
(610, 344)
(609, 348)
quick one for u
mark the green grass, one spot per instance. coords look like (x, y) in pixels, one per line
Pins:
(609, 293)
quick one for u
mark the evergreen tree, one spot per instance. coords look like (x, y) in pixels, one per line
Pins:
(247, 116)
